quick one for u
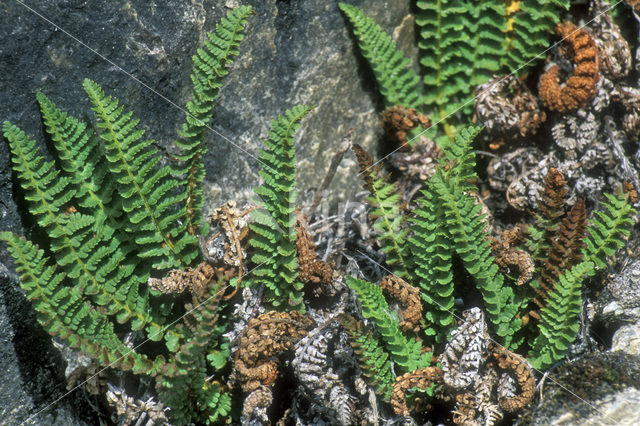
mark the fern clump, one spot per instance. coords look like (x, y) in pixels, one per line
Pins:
(560, 319)
(462, 45)
(116, 215)
(273, 225)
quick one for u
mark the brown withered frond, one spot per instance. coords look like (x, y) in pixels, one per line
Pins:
(633, 194)
(366, 164)
(418, 379)
(397, 121)
(507, 255)
(310, 268)
(196, 280)
(517, 367)
(581, 86)
(266, 336)
(554, 195)
(409, 299)
(565, 251)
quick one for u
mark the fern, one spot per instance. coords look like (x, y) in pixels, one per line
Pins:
(398, 83)
(447, 203)
(372, 358)
(63, 313)
(273, 226)
(533, 21)
(430, 248)
(148, 192)
(204, 396)
(461, 45)
(405, 352)
(85, 250)
(389, 220)
(561, 316)
(211, 65)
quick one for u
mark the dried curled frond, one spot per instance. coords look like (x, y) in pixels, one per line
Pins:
(256, 404)
(466, 351)
(506, 106)
(614, 52)
(517, 367)
(93, 377)
(581, 86)
(266, 336)
(408, 297)
(316, 374)
(635, 5)
(418, 379)
(565, 249)
(310, 268)
(196, 280)
(397, 121)
(419, 163)
(132, 411)
(508, 256)
(235, 227)
(553, 198)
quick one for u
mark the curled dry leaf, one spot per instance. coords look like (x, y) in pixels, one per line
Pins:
(581, 86)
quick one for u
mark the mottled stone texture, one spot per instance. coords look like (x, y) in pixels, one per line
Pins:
(295, 52)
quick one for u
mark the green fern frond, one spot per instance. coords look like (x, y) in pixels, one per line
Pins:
(405, 352)
(273, 225)
(398, 83)
(204, 400)
(372, 358)
(210, 65)
(532, 27)
(388, 218)
(467, 232)
(79, 155)
(461, 45)
(430, 248)
(86, 252)
(560, 319)
(148, 192)
(63, 313)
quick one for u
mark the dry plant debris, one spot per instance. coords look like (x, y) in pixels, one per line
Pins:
(581, 86)
(409, 299)
(196, 280)
(313, 367)
(310, 268)
(132, 411)
(474, 373)
(92, 377)
(507, 107)
(507, 255)
(397, 121)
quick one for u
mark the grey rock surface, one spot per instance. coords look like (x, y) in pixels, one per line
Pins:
(598, 389)
(620, 299)
(294, 52)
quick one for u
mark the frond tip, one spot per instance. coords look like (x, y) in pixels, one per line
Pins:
(397, 81)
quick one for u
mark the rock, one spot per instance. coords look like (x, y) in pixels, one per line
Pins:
(627, 339)
(620, 300)
(598, 389)
(32, 389)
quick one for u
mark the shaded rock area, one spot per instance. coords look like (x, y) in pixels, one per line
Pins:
(598, 389)
(294, 52)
